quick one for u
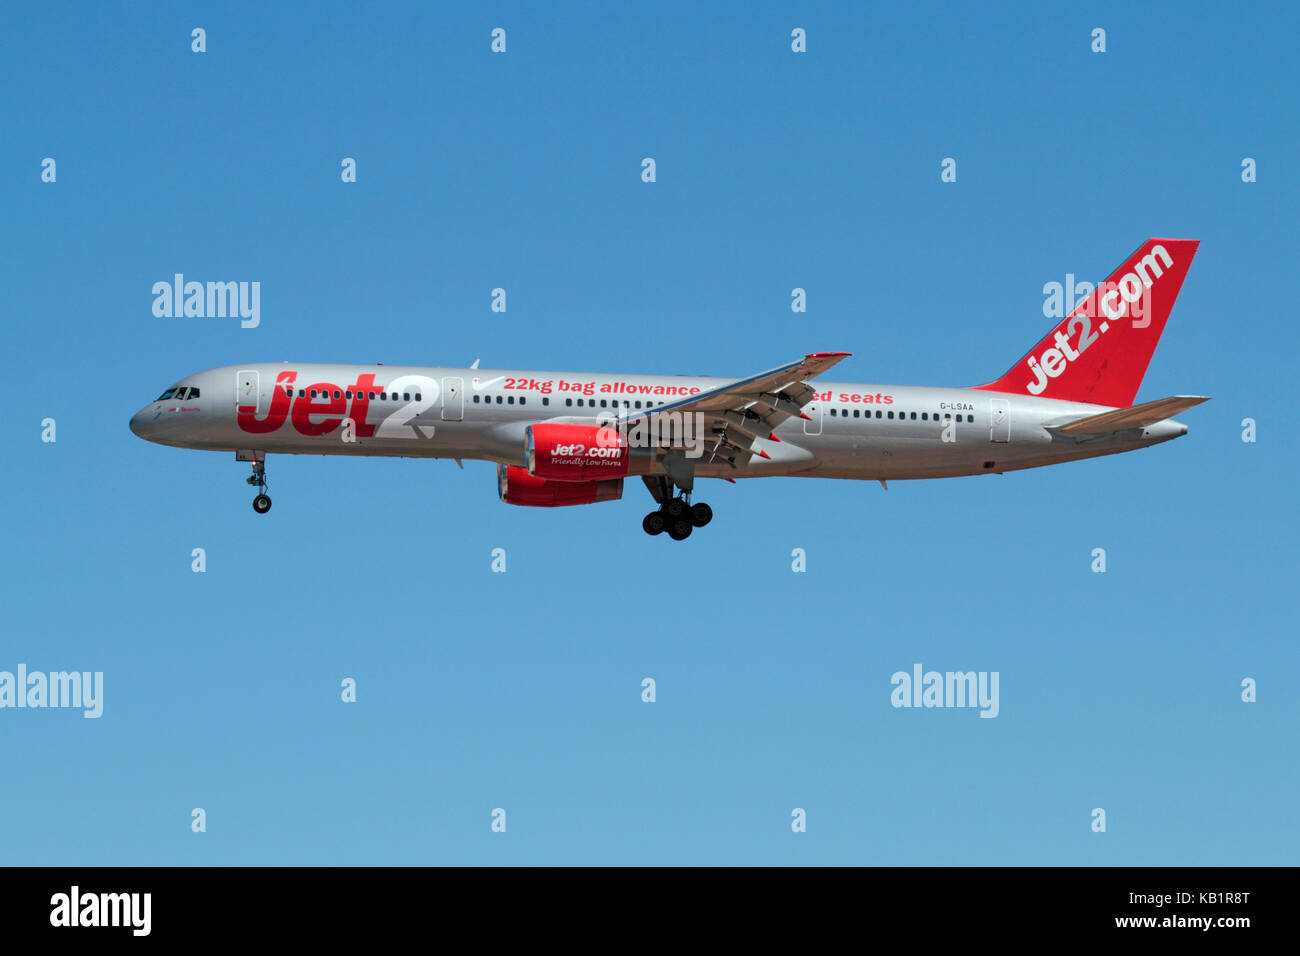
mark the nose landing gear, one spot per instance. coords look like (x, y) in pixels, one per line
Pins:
(262, 503)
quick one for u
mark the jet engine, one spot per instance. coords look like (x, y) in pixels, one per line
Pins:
(517, 487)
(575, 453)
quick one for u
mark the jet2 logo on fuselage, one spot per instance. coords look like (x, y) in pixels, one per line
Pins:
(417, 395)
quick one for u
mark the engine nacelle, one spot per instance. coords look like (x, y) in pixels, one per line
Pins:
(518, 487)
(579, 453)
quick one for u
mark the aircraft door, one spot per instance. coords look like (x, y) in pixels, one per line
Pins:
(999, 419)
(247, 391)
(453, 400)
(812, 425)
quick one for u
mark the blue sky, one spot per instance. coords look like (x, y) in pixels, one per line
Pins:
(522, 690)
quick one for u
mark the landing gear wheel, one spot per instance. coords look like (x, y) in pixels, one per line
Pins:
(262, 503)
(675, 508)
(653, 523)
(701, 514)
(679, 529)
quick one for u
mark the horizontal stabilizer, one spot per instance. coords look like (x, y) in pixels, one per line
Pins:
(1139, 416)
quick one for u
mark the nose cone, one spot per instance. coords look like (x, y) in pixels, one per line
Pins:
(143, 422)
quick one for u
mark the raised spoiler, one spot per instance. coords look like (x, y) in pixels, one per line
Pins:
(1139, 416)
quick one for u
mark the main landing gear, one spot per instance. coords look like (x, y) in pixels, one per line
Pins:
(262, 503)
(676, 514)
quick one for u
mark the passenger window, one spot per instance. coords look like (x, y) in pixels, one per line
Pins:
(523, 399)
(568, 402)
(891, 414)
(346, 394)
(498, 399)
(406, 396)
(510, 400)
(372, 396)
(336, 394)
(970, 418)
(546, 401)
(313, 393)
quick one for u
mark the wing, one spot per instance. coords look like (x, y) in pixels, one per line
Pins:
(1139, 416)
(743, 411)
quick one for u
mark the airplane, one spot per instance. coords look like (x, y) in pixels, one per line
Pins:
(565, 438)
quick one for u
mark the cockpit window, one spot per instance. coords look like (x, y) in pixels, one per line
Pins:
(166, 395)
(194, 393)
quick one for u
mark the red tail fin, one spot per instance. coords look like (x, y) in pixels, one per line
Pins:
(1101, 350)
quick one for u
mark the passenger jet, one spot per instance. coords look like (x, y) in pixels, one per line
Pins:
(570, 438)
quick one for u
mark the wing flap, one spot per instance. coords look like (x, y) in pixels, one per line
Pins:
(743, 412)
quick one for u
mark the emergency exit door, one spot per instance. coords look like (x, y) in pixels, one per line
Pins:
(999, 419)
(812, 425)
(246, 388)
(453, 400)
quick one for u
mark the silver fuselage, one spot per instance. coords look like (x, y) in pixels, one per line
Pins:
(852, 430)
